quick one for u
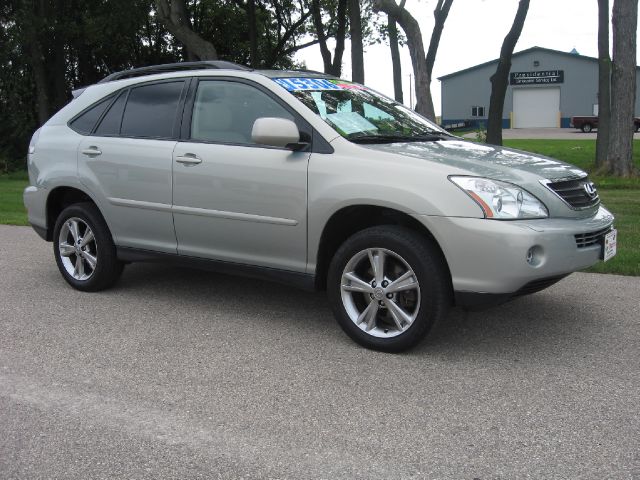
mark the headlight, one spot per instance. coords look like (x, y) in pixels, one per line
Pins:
(501, 200)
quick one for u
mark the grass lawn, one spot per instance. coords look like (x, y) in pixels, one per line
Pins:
(12, 211)
(621, 196)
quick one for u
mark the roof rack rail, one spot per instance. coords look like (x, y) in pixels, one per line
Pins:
(173, 67)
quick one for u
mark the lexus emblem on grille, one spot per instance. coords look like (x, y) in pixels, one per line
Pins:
(590, 188)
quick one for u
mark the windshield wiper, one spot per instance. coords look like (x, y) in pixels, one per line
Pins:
(396, 138)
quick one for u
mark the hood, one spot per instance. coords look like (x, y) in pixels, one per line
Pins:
(483, 160)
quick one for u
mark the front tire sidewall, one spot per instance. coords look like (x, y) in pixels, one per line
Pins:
(108, 268)
(426, 262)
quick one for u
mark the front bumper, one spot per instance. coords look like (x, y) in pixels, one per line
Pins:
(490, 256)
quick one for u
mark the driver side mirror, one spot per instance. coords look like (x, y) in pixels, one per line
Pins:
(277, 132)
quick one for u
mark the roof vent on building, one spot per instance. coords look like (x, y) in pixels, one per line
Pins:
(574, 51)
(536, 63)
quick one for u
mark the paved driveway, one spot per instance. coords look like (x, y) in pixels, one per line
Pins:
(185, 374)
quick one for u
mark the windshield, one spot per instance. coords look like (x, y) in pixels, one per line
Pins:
(360, 114)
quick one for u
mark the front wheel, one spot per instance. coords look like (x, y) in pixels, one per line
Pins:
(387, 287)
(84, 249)
(587, 127)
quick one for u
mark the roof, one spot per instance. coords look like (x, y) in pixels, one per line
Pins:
(205, 65)
(173, 67)
(517, 54)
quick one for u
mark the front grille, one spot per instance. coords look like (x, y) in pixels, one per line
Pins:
(578, 194)
(584, 240)
(538, 285)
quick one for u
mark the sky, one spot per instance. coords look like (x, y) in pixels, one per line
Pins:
(473, 34)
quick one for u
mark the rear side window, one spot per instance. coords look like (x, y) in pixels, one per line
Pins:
(151, 110)
(86, 121)
(110, 123)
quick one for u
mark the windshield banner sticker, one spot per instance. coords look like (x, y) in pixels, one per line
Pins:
(295, 84)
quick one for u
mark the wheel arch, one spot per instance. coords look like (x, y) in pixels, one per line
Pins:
(60, 198)
(354, 218)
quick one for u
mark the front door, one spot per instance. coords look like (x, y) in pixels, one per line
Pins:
(234, 200)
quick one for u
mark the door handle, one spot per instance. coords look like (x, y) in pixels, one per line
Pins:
(92, 151)
(189, 159)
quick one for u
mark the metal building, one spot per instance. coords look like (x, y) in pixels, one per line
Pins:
(546, 88)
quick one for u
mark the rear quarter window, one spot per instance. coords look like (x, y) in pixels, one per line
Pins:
(110, 123)
(85, 122)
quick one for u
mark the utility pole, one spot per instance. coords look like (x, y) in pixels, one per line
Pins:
(411, 91)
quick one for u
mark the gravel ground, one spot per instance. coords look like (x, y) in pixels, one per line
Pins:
(186, 374)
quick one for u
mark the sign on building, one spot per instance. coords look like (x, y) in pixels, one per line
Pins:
(534, 78)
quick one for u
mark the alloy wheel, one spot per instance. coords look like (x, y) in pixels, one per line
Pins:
(78, 249)
(380, 292)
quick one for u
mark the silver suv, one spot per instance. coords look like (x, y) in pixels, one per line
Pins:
(309, 180)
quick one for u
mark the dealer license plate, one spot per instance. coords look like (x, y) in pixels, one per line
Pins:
(610, 244)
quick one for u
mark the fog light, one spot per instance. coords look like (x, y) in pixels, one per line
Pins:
(535, 256)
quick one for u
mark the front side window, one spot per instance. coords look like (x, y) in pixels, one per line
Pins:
(151, 110)
(360, 114)
(225, 111)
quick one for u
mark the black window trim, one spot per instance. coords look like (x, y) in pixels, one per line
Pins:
(125, 92)
(186, 81)
(307, 133)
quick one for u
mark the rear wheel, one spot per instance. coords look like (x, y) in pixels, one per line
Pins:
(387, 286)
(587, 127)
(84, 249)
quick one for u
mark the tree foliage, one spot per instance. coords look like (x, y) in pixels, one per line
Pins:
(50, 47)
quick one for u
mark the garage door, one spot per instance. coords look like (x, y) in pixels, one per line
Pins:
(536, 107)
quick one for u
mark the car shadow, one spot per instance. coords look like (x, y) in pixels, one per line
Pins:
(545, 323)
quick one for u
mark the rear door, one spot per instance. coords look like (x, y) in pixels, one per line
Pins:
(234, 200)
(127, 162)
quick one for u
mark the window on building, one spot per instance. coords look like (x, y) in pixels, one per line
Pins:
(477, 111)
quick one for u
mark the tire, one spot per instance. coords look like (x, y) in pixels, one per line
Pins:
(90, 267)
(587, 127)
(364, 309)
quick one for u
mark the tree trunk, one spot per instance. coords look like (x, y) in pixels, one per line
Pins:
(253, 33)
(623, 87)
(32, 14)
(316, 14)
(416, 50)
(440, 16)
(357, 49)
(604, 85)
(331, 66)
(500, 79)
(422, 64)
(395, 59)
(341, 32)
(175, 18)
